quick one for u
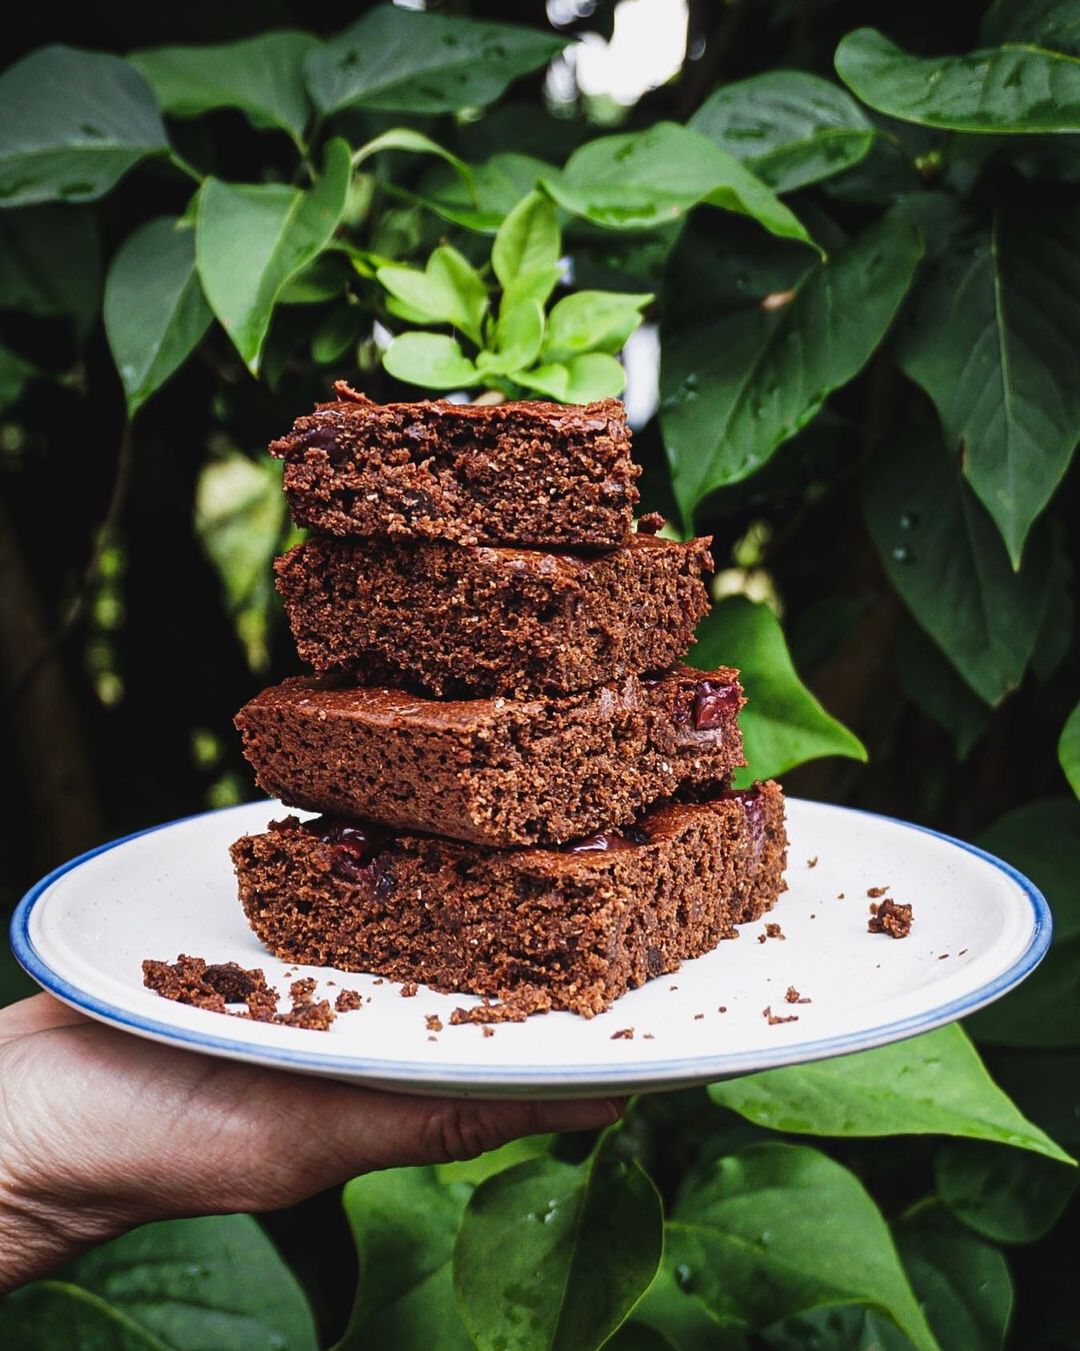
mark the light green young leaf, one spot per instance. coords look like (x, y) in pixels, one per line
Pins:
(555, 1255)
(641, 180)
(432, 360)
(416, 143)
(519, 334)
(1042, 839)
(778, 1229)
(590, 321)
(582, 379)
(962, 1283)
(791, 128)
(395, 61)
(185, 1285)
(993, 338)
(1017, 87)
(528, 240)
(745, 373)
(929, 1085)
(1069, 749)
(783, 724)
(15, 374)
(447, 291)
(253, 239)
(154, 310)
(72, 123)
(263, 76)
(404, 1222)
(527, 286)
(947, 561)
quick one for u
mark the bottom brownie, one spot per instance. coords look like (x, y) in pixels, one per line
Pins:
(568, 928)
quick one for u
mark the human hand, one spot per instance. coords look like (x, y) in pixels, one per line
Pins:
(101, 1131)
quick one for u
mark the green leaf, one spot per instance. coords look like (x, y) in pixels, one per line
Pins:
(1012, 88)
(396, 61)
(528, 286)
(15, 374)
(447, 291)
(554, 1254)
(497, 189)
(777, 1229)
(432, 360)
(1069, 749)
(1049, 23)
(992, 338)
(495, 1160)
(262, 76)
(1042, 839)
(519, 334)
(962, 1283)
(340, 330)
(72, 123)
(528, 240)
(155, 314)
(640, 180)
(50, 262)
(1006, 1195)
(745, 372)
(946, 559)
(182, 1284)
(682, 1320)
(253, 239)
(416, 143)
(590, 321)
(404, 1221)
(836, 1327)
(582, 379)
(929, 1085)
(783, 724)
(931, 682)
(789, 127)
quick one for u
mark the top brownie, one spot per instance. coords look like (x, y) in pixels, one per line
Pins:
(531, 473)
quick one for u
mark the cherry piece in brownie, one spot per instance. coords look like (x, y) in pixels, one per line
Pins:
(531, 473)
(495, 771)
(453, 619)
(569, 928)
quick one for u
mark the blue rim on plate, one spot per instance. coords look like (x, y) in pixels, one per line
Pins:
(698, 1069)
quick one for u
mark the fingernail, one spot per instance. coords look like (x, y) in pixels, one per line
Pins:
(582, 1114)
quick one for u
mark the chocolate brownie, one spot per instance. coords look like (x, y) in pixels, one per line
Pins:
(513, 473)
(570, 928)
(453, 619)
(494, 771)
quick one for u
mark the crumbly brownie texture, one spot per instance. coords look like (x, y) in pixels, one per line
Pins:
(524, 473)
(889, 917)
(570, 928)
(203, 985)
(456, 620)
(494, 771)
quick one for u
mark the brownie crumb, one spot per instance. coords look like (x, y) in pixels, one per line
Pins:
(233, 982)
(672, 987)
(514, 1009)
(191, 981)
(961, 952)
(409, 989)
(347, 1001)
(315, 1017)
(487, 1031)
(773, 930)
(433, 1039)
(302, 991)
(875, 892)
(651, 523)
(839, 895)
(890, 918)
(773, 1018)
(794, 997)
(433, 1022)
(262, 1006)
(647, 1036)
(623, 1034)
(698, 1017)
(942, 956)
(378, 982)
(812, 862)
(722, 1008)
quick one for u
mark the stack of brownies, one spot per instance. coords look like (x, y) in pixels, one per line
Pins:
(523, 795)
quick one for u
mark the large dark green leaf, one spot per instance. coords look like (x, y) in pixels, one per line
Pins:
(553, 1255)
(931, 682)
(252, 239)
(50, 263)
(769, 342)
(263, 76)
(154, 310)
(946, 559)
(404, 1222)
(72, 123)
(1012, 88)
(994, 338)
(962, 1283)
(777, 1229)
(1008, 1196)
(398, 61)
(837, 1327)
(1050, 23)
(929, 1085)
(790, 127)
(684, 1322)
(183, 1285)
(645, 179)
(783, 724)
(1042, 839)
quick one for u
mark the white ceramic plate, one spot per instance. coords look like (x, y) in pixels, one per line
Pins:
(980, 928)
